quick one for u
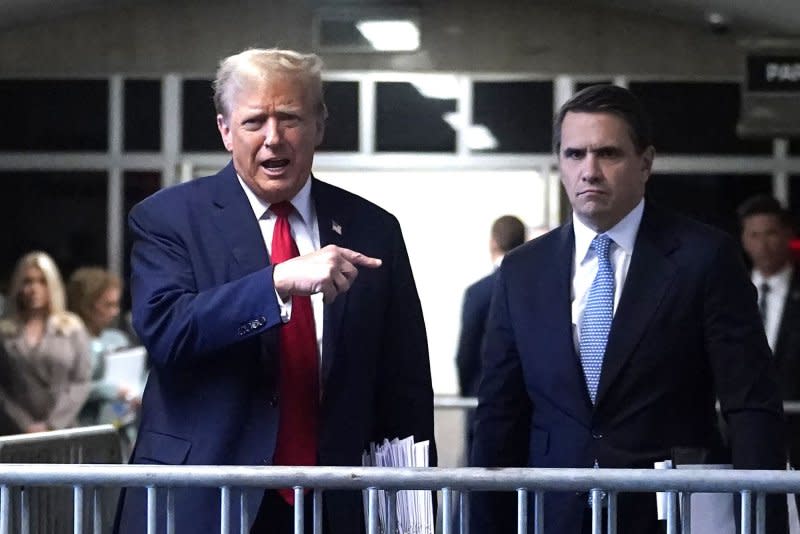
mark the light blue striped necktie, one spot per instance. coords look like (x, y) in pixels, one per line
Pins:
(597, 316)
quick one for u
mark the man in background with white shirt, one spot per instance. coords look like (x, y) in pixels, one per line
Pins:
(766, 236)
(610, 338)
(279, 312)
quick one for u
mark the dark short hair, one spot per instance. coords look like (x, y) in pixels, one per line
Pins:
(508, 232)
(763, 205)
(608, 99)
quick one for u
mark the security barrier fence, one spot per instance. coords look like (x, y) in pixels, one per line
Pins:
(529, 484)
(66, 481)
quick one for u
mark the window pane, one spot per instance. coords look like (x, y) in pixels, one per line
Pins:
(710, 198)
(407, 121)
(518, 114)
(341, 129)
(43, 208)
(142, 115)
(54, 115)
(199, 117)
(696, 118)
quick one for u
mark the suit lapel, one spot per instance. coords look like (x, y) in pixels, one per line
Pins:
(332, 231)
(649, 275)
(233, 217)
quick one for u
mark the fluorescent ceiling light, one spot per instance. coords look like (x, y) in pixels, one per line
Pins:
(442, 87)
(390, 35)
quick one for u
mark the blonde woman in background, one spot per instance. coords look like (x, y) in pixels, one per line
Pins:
(93, 293)
(45, 369)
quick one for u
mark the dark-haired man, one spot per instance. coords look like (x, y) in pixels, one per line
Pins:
(610, 338)
(766, 238)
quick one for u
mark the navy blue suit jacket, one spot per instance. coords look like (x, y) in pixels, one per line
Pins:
(474, 312)
(685, 331)
(205, 308)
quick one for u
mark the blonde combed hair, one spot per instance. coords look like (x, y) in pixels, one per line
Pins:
(63, 320)
(261, 64)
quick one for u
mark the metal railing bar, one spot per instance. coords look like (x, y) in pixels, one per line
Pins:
(24, 511)
(225, 507)
(151, 510)
(612, 512)
(244, 515)
(538, 512)
(522, 511)
(97, 511)
(672, 513)
(77, 510)
(299, 510)
(170, 511)
(447, 511)
(686, 512)
(747, 512)
(463, 512)
(761, 513)
(5, 506)
(597, 510)
(621, 480)
(372, 512)
(317, 511)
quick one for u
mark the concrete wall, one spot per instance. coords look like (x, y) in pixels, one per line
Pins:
(568, 36)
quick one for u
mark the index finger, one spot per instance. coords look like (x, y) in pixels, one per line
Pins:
(357, 258)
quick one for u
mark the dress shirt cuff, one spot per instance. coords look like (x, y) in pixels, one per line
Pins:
(285, 307)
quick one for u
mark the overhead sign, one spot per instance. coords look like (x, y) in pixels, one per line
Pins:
(773, 73)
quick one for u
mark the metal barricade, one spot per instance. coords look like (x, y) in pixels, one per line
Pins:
(529, 484)
(52, 510)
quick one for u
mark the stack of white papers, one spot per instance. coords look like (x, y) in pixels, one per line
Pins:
(414, 509)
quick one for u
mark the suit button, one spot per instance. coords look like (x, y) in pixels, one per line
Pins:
(597, 435)
(273, 401)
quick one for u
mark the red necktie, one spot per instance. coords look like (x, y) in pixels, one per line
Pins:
(299, 372)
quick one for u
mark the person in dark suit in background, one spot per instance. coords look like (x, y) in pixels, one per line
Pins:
(508, 232)
(610, 338)
(766, 236)
(280, 313)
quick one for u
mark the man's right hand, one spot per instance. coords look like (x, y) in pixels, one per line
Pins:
(330, 271)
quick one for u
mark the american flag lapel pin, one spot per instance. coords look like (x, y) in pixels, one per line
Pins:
(336, 227)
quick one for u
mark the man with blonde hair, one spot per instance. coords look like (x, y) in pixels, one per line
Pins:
(280, 313)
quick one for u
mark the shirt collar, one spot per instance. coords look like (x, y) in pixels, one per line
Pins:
(623, 233)
(779, 280)
(301, 201)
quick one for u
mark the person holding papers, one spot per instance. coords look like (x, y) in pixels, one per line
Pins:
(279, 312)
(93, 294)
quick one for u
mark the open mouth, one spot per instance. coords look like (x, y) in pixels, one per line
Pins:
(275, 163)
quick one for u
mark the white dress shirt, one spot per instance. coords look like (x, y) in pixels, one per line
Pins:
(305, 231)
(776, 298)
(584, 268)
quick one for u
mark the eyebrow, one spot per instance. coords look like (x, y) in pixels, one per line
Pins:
(583, 150)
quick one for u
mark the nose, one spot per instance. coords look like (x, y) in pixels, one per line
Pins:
(590, 170)
(272, 132)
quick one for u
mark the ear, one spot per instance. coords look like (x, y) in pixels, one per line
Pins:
(225, 133)
(648, 156)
